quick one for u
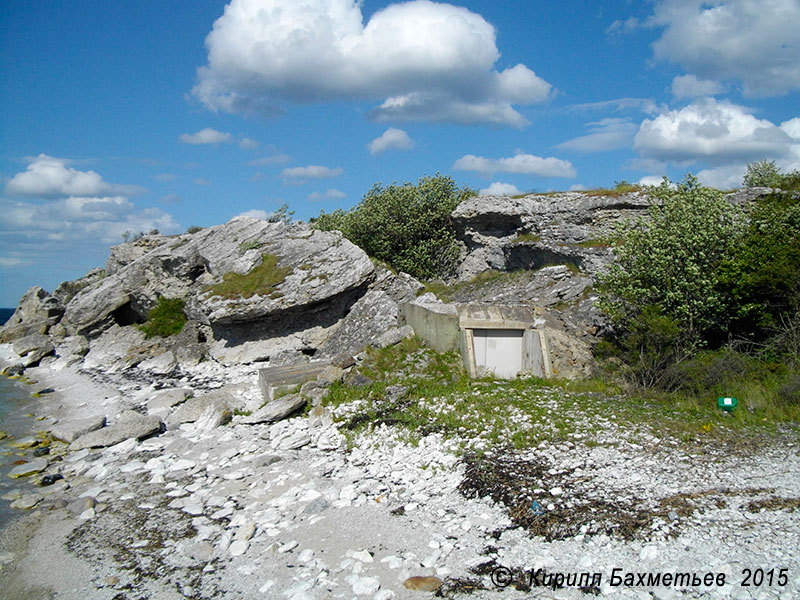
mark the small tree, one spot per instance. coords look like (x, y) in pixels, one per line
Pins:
(407, 226)
(281, 215)
(762, 174)
(670, 260)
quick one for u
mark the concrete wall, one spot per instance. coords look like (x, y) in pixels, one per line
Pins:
(436, 324)
(451, 327)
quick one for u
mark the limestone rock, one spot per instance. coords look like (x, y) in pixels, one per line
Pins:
(130, 425)
(69, 431)
(276, 410)
(393, 336)
(194, 408)
(35, 466)
(33, 348)
(213, 417)
(36, 312)
(368, 319)
(558, 227)
(163, 400)
(162, 364)
(72, 349)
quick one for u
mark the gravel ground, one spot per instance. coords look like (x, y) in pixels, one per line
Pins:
(287, 511)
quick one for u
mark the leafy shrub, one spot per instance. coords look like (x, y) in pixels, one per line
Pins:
(699, 274)
(647, 347)
(165, 319)
(260, 280)
(194, 229)
(762, 275)
(766, 174)
(790, 390)
(407, 226)
(762, 174)
(669, 261)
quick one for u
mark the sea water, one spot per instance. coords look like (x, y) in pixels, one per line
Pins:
(15, 404)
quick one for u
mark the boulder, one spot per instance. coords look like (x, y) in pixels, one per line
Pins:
(319, 266)
(69, 431)
(72, 349)
(276, 410)
(212, 417)
(392, 337)
(536, 230)
(164, 400)
(36, 313)
(370, 317)
(67, 290)
(194, 408)
(130, 425)
(161, 364)
(29, 468)
(32, 348)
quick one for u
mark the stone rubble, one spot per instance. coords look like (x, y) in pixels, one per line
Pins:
(292, 510)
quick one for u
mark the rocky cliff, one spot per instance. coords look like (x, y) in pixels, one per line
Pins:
(320, 295)
(323, 297)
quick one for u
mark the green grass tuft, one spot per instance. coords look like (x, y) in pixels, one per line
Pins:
(261, 280)
(165, 319)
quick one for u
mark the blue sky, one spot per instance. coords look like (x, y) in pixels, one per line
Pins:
(142, 115)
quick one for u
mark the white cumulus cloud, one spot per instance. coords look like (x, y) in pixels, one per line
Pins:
(427, 60)
(392, 139)
(499, 188)
(719, 132)
(50, 177)
(206, 136)
(521, 164)
(255, 213)
(58, 203)
(754, 42)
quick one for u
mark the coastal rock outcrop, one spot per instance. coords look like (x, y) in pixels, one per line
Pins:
(539, 230)
(252, 291)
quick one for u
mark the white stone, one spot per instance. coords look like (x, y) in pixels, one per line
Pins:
(238, 547)
(182, 464)
(366, 585)
(306, 555)
(648, 553)
(193, 509)
(363, 555)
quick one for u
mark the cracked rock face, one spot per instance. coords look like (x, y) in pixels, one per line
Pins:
(556, 229)
(325, 293)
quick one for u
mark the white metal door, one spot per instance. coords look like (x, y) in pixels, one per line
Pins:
(498, 351)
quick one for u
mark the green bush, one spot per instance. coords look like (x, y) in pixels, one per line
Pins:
(407, 226)
(762, 275)
(165, 319)
(669, 260)
(700, 273)
(762, 174)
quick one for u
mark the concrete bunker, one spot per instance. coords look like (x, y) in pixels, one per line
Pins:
(501, 340)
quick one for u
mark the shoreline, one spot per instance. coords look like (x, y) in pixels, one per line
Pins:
(285, 511)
